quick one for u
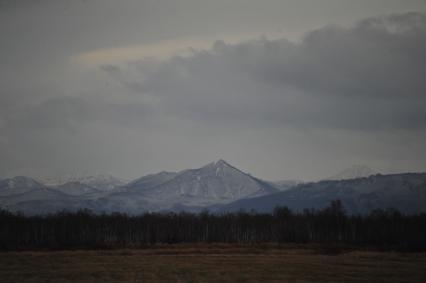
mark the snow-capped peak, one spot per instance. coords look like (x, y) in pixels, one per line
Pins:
(221, 162)
(217, 164)
(216, 182)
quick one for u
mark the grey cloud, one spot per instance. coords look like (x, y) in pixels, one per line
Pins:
(366, 77)
(111, 70)
(71, 113)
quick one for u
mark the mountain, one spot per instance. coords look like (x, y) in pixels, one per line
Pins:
(353, 172)
(39, 194)
(217, 186)
(76, 189)
(149, 181)
(27, 195)
(405, 192)
(18, 185)
(215, 183)
(101, 182)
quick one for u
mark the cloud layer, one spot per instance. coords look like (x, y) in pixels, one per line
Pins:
(367, 77)
(340, 95)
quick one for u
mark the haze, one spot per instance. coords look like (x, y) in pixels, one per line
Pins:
(280, 89)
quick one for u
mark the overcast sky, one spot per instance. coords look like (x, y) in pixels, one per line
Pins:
(280, 89)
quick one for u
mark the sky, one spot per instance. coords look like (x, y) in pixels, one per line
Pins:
(289, 89)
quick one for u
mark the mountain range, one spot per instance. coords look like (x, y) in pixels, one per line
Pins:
(218, 187)
(404, 192)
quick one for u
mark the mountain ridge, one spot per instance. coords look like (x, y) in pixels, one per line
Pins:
(405, 192)
(217, 186)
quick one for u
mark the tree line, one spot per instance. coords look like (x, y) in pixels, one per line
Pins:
(331, 225)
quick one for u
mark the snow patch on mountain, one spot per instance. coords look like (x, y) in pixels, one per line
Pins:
(353, 172)
(216, 182)
(150, 181)
(103, 182)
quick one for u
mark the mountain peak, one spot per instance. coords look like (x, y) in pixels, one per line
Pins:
(218, 163)
(216, 182)
(217, 166)
(221, 163)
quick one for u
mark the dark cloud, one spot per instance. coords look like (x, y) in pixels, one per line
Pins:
(367, 77)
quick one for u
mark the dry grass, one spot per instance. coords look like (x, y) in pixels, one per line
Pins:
(212, 263)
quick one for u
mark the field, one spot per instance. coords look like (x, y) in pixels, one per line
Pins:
(213, 263)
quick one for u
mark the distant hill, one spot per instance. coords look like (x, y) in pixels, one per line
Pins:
(76, 189)
(218, 187)
(18, 185)
(102, 182)
(193, 189)
(215, 183)
(405, 192)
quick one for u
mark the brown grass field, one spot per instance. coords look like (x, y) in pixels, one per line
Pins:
(213, 263)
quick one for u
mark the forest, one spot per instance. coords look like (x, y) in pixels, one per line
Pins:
(331, 225)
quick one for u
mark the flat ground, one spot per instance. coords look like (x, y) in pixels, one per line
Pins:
(213, 263)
